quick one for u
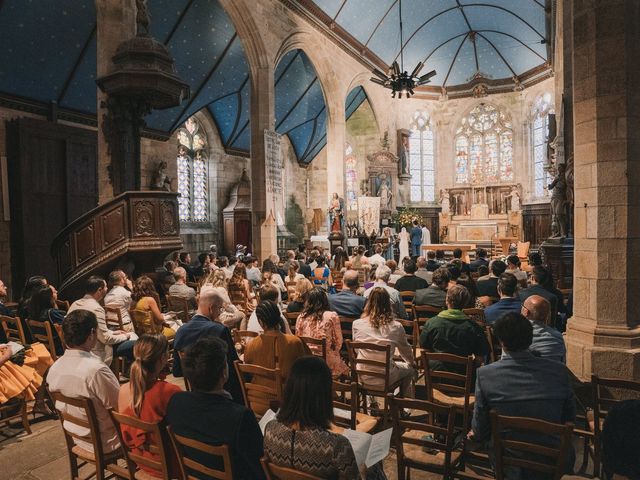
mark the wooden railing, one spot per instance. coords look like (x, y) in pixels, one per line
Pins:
(135, 228)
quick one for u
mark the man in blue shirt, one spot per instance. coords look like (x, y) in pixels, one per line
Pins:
(416, 239)
(204, 323)
(347, 303)
(509, 301)
(547, 341)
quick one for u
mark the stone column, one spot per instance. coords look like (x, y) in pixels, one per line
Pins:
(116, 21)
(263, 228)
(336, 139)
(603, 337)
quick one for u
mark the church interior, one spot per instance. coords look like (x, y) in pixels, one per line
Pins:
(211, 133)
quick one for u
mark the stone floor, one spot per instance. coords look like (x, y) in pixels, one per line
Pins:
(42, 455)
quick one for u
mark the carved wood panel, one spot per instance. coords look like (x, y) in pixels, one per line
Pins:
(113, 226)
(536, 223)
(144, 222)
(85, 243)
(168, 216)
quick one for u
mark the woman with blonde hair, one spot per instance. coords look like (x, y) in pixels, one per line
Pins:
(240, 291)
(147, 316)
(147, 394)
(379, 326)
(293, 275)
(303, 287)
(216, 278)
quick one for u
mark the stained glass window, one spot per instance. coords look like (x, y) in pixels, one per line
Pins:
(484, 147)
(421, 159)
(351, 177)
(193, 180)
(542, 107)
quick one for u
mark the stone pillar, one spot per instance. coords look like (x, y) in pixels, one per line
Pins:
(263, 228)
(336, 138)
(603, 337)
(116, 21)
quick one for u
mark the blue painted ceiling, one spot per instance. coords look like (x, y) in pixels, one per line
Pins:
(497, 39)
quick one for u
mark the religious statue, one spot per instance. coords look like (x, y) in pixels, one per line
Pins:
(142, 18)
(515, 199)
(384, 192)
(444, 200)
(559, 204)
(161, 180)
(336, 217)
(404, 155)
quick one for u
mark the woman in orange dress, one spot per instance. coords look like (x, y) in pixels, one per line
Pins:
(147, 394)
(318, 322)
(21, 381)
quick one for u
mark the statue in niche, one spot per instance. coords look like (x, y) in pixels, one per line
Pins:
(336, 209)
(515, 199)
(559, 204)
(444, 200)
(160, 179)
(403, 160)
(384, 192)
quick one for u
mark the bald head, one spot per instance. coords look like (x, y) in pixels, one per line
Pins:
(350, 280)
(210, 303)
(536, 308)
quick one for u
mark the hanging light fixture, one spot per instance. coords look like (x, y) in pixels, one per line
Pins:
(397, 79)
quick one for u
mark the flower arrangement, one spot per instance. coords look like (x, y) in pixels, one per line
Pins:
(406, 216)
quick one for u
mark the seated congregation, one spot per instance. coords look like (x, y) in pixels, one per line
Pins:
(168, 375)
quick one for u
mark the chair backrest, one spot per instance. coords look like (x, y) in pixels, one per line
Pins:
(345, 397)
(113, 317)
(476, 314)
(90, 422)
(143, 322)
(495, 351)
(292, 317)
(363, 369)
(422, 313)
(450, 383)
(346, 324)
(607, 392)
(412, 331)
(407, 299)
(317, 346)
(260, 386)
(523, 249)
(43, 331)
(60, 332)
(13, 330)
(519, 453)
(182, 445)
(428, 417)
(179, 305)
(276, 472)
(154, 441)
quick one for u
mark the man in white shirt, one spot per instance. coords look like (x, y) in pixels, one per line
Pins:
(377, 258)
(110, 342)
(79, 373)
(119, 296)
(426, 236)
(382, 277)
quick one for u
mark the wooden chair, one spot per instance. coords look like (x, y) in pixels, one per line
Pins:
(291, 289)
(13, 330)
(183, 445)
(518, 453)
(60, 332)
(155, 442)
(240, 339)
(292, 317)
(317, 346)
(412, 332)
(276, 472)
(366, 370)
(179, 305)
(449, 388)
(113, 317)
(495, 350)
(425, 440)
(407, 297)
(349, 404)
(43, 332)
(143, 322)
(260, 386)
(15, 409)
(78, 456)
(607, 392)
(476, 314)
(346, 324)
(422, 313)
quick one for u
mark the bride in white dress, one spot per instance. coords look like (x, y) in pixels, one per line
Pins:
(404, 244)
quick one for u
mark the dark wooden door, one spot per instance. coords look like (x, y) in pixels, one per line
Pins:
(53, 180)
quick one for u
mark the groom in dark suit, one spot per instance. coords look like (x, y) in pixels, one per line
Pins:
(416, 239)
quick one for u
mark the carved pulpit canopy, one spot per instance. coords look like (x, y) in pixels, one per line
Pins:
(383, 158)
(240, 196)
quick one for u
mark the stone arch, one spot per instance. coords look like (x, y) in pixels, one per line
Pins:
(362, 80)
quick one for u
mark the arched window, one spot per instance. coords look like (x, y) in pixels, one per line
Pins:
(192, 173)
(351, 177)
(542, 107)
(421, 159)
(484, 147)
